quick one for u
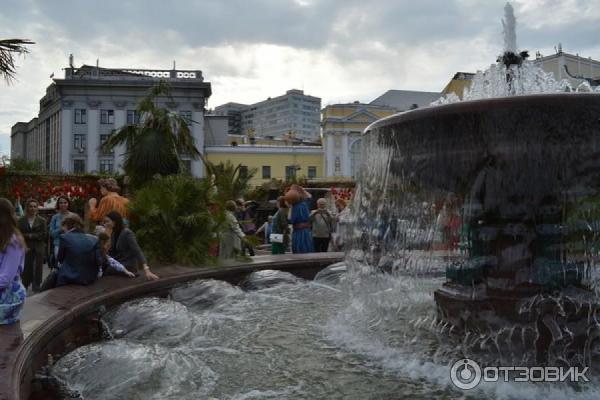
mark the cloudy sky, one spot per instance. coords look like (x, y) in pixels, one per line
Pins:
(339, 50)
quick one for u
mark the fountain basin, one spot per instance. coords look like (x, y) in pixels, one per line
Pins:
(60, 320)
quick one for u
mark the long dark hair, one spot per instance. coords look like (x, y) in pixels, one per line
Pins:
(8, 224)
(117, 220)
(63, 198)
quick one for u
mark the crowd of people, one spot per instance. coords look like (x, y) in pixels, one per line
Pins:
(74, 256)
(293, 226)
(78, 257)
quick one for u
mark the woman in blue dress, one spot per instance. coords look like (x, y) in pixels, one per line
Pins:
(12, 258)
(302, 241)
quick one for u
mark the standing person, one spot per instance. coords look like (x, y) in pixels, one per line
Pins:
(232, 235)
(124, 247)
(33, 228)
(321, 221)
(246, 222)
(12, 259)
(299, 199)
(281, 226)
(110, 201)
(55, 227)
(343, 220)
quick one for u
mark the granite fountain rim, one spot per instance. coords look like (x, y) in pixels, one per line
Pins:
(477, 105)
(48, 313)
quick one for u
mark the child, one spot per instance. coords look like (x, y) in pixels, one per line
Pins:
(108, 261)
(266, 228)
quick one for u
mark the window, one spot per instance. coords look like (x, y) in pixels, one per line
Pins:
(79, 143)
(104, 138)
(243, 171)
(312, 172)
(133, 117)
(107, 116)
(80, 116)
(290, 172)
(266, 172)
(79, 166)
(106, 165)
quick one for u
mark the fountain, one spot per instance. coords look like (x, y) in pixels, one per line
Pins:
(514, 181)
(475, 234)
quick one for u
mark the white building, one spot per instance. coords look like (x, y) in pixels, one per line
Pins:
(79, 112)
(275, 117)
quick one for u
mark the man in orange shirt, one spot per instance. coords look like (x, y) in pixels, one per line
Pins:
(110, 201)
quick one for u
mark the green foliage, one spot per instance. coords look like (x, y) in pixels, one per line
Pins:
(154, 145)
(230, 185)
(20, 164)
(9, 48)
(171, 219)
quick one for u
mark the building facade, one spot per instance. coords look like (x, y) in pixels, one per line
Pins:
(574, 68)
(271, 161)
(275, 117)
(79, 112)
(233, 112)
(343, 125)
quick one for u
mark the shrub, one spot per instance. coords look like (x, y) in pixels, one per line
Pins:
(171, 218)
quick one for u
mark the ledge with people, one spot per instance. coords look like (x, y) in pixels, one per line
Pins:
(73, 255)
(77, 257)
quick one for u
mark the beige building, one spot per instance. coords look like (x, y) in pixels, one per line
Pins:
(574, 68)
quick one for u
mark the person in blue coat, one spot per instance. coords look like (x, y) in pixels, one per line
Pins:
(299, 199)
(79, 254)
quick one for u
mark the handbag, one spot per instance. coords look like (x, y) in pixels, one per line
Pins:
(276, 237)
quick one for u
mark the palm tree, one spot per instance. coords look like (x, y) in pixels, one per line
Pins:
(8, 49)
(231, 181)
(154, 145)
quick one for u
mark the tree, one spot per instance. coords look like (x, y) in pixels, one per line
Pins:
(232, 182)
(21, 164)
(154, 145)
(172, 221)
(8, 49)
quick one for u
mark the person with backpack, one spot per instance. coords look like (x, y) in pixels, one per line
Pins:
(322, 223)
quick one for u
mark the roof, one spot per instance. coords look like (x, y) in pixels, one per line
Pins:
(405, 99)
(459, 82)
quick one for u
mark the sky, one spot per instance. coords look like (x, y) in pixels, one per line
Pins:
(338, 50)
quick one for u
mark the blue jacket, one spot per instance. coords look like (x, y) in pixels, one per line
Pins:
(80, 258)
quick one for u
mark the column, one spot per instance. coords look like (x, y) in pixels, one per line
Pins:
(66, 139)
(120, 120)
(345, 156)
(329, 161)
(93, 139)
(198, 134)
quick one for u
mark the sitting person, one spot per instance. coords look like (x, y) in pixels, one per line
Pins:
(78, 254)
(108, 261)
(12, 260)
(124, 247)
